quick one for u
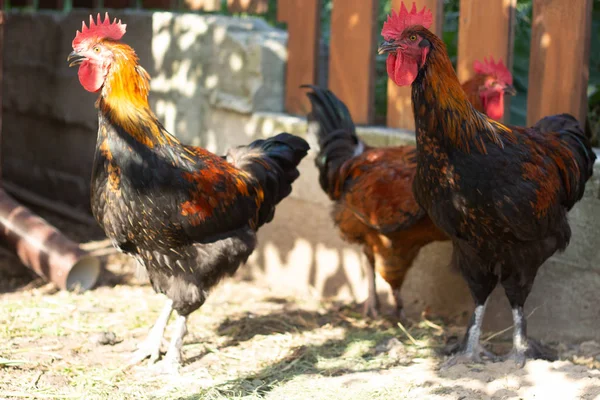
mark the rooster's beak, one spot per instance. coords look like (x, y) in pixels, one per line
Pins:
(387, 46)
(510, 90)
(75, 59)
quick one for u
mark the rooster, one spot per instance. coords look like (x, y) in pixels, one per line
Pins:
(500, 192)
(486, 89)
(391, 232)
(188, 216)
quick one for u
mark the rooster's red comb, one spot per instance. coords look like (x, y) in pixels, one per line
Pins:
(397, 23)
(100, 30)
(490, 67)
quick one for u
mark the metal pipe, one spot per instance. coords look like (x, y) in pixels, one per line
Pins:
(45, 250)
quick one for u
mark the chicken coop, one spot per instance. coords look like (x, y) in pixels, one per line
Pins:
(225, 72)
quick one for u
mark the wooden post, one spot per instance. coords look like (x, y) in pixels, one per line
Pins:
(352, 54)
(399, 109)
(249, 6)
(303, 22)
(560, 58)
(484, 32)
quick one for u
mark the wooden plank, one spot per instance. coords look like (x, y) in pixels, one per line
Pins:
(352, 54)
(303, 22)
(248, 6)
(484, 32)
(399, 109)
(119, 4)
(559, 58)
(204, 5)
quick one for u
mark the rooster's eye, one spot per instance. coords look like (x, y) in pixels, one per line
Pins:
(97, 49)
(412, 38)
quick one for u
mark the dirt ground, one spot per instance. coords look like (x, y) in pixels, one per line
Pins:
(248, 341)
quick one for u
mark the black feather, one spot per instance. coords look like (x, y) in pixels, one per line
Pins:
(273, 162)
(336, 135)
(569, 130)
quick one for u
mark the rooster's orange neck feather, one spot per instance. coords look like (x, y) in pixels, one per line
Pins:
(442, 108)
(124, 99)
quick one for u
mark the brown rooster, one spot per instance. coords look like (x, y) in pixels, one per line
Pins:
(388, 223)
(500, 192)
(190, 217)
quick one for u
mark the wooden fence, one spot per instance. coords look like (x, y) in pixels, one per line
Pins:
(559, 59)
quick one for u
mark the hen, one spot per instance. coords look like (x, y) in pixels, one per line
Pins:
(372, 190)
(190, 217)
(500, 192)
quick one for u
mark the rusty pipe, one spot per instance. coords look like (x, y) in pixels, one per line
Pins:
(45, 250)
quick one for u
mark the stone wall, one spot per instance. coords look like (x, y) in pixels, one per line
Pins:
(199, 65)
(218, 82)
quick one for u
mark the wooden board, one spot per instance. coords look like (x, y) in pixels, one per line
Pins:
(484, 32)
(560, 58)
(249, 6)
(399, 108)
(352, 54)
(204, 5)
(303, 23)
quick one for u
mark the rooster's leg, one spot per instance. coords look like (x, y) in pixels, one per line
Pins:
(481, 280)
(519, 338)
(172, 360)
(517, 285)
(371, 306)
(151, 346)
(471, 349)
(523, 347)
